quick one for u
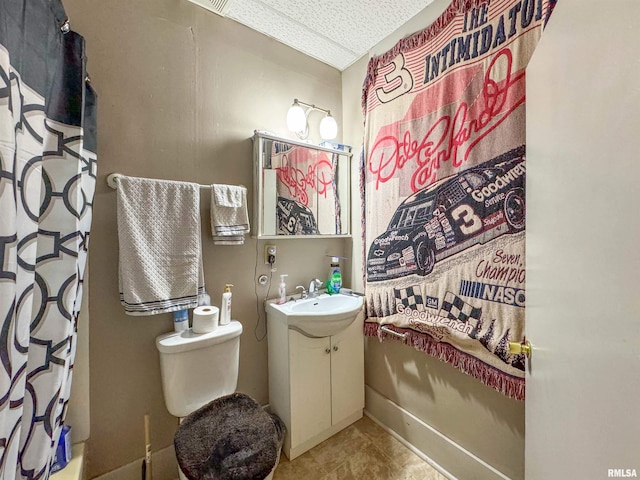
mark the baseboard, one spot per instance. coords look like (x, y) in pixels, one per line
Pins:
(445, 455)
(163, 465)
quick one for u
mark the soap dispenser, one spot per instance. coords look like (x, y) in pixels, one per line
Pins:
(225, 311)
(282, 290)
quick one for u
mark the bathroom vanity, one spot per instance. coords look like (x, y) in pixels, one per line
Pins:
(316, 384)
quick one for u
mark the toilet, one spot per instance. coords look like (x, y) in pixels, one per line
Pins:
(199, 370)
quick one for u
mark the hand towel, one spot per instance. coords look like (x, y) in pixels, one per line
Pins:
(229, 216)
(160, 253)
(229, 195)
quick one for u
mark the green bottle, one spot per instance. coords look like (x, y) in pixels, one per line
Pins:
(334, 284)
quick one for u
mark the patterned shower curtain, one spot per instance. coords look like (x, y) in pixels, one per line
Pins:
(47, 181)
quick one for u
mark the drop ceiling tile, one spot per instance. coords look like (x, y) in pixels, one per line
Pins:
(337, 32)
(355, 24)
(265, 19)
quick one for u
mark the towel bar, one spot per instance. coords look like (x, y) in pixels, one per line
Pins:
(112, 181)
(388, 330)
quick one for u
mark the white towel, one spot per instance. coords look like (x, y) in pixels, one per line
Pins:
(160, 248)
(229, 195)
(229, 216)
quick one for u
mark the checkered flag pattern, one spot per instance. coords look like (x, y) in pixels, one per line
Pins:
(409, 297)
(457, 309)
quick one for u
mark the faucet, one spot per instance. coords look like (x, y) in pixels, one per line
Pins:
(304, 293)
(313, 287)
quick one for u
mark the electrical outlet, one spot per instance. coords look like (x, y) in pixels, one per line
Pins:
(270, 254)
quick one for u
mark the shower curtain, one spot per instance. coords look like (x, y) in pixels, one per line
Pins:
(47, 181)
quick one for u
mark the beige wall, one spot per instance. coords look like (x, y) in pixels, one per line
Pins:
(479, 419)
(180, 92)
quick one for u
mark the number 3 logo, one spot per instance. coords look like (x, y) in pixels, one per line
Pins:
(291, 224)
(469, 222)
(403, 86)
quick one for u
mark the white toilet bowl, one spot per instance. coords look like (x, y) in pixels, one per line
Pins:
(199, 368)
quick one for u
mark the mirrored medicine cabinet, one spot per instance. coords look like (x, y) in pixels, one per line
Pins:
(300, 190)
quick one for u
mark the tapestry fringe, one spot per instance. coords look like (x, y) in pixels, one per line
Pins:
(415, 40)
(512, 387)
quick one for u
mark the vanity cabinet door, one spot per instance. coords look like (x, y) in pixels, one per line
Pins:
(347, 372)
(310, 369)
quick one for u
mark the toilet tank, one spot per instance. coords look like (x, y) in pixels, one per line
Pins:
(197, 368)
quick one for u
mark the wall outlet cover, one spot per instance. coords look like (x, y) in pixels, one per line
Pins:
(270, 252)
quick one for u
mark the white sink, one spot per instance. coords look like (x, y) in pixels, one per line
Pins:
(320, 316)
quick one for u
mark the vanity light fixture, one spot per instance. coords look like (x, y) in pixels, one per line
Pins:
(297, 121)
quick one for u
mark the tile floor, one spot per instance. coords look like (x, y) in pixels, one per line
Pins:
(361, 451)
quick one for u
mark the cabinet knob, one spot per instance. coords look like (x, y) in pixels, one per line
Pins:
(335, 348)
(327, 350)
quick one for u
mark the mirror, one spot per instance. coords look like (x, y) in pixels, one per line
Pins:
(300, 190)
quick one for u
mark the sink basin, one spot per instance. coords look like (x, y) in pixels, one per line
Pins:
(320, 316)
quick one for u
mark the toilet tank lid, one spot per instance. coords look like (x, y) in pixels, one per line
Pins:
(177, 342)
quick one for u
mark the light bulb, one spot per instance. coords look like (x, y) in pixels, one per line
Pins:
(296, 119)
(328, 128)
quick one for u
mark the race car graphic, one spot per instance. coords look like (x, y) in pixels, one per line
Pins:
(294, 218)
(451, 215)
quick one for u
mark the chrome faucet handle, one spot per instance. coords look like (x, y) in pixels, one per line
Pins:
(314, 285)
(304, 291)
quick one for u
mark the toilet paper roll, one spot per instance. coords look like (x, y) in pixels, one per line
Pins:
(205, 319)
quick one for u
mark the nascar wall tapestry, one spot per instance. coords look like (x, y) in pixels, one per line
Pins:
(444, 187)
